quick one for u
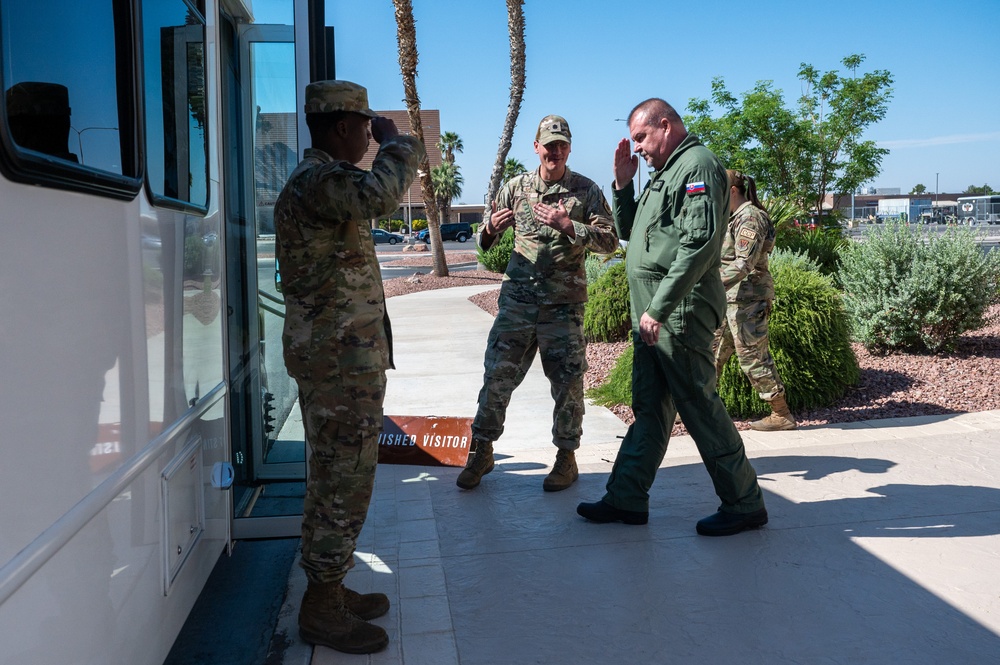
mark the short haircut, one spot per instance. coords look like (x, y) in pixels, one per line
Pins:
(655, 110)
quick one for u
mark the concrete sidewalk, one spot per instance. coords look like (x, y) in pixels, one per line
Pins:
(883, 544)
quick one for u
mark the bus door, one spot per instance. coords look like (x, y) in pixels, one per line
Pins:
(262, 146)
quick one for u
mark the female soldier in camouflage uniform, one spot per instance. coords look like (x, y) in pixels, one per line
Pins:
(749, 288)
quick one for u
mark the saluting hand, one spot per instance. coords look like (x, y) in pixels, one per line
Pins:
(626, 164)
(383, 129)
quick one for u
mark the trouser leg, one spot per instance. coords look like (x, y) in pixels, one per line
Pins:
(749, 324)
(691, 376)
(646, 441)
(510, 351)
(564, 359)
(341, 471)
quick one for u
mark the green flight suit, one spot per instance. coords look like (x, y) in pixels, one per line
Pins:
(675, 231)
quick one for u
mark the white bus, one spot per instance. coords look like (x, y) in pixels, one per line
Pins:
(144, 409)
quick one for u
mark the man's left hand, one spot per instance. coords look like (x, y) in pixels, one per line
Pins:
(557, 218)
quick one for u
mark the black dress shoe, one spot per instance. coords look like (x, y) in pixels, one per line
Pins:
(728, 524)
(602, 512)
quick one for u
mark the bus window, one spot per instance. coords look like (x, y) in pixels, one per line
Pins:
(68, 94)
(176, 112)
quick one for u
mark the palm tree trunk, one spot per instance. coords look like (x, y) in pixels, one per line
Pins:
(515, 25)
(406, 35)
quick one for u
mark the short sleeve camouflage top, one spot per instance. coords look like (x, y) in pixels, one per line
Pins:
(546, 266)
(335, 320)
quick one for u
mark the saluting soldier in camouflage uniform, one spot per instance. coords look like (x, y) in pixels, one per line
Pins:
(338, 343)
(557, 216)
(749, 288)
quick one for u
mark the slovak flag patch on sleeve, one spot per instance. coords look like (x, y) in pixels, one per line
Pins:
(695, 188)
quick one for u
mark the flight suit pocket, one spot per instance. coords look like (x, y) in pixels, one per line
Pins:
(695, 220)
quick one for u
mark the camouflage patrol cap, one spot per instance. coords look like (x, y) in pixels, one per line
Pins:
(553, 128)
(36, 98)
(329, 96)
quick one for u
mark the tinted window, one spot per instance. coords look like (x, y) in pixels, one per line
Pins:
(68, 89)
(176, 112)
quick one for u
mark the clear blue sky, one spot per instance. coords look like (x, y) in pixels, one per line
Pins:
(593, 60)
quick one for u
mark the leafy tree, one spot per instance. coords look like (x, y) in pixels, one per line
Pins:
(515, 27)
(803, 153)
(918, 189)
(447, 181)
(406, 36)
(511, 168)
(974, 190)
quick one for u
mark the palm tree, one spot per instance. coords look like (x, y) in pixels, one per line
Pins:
(511, 168)
(449, 144)
(447, 181)
(406, 35)
(515, 26)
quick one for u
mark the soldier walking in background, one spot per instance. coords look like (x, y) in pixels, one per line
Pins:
(557, 216)
(338, 343)
(746, 245)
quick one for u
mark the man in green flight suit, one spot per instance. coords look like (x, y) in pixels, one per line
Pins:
(338, 343)
(675, 231)
(557, 216)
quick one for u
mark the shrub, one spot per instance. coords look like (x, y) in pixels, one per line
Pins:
(419, 225)
(498, 256)
(809, 338)
(618, 388)
(607, 317)
(907, 289)
(595, 265)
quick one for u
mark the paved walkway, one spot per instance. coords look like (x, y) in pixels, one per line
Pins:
(883, 544)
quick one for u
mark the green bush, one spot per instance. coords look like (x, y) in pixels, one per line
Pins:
(907, 289)
(809, 340)
(419, 225)
(809, 337)
(823, 245)
(498, 256)
(607, 317)
(595, 265)
(618, 388)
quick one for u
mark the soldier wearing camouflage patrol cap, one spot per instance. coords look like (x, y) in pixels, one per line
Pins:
(748, 241)
(557, 216)
(674, 228)
(338, 342)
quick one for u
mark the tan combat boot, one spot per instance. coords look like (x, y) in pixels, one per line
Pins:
(324, 619)
(564, 472)
(780, 419)
(478, 466)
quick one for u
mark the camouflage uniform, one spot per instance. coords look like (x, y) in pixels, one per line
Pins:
(749, 288)
(542, 301)
(337, 339)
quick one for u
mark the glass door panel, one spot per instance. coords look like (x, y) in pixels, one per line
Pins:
(268, 440)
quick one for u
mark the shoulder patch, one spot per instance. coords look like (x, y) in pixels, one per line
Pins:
(747, 233)
(695, 188)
